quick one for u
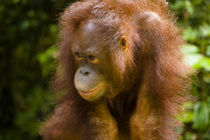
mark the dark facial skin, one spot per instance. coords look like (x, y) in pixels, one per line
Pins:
(91, 57)
(94, 65)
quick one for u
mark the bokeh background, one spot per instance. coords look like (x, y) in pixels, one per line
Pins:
(28, 35)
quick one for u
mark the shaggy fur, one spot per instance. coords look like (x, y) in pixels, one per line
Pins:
(153, 73)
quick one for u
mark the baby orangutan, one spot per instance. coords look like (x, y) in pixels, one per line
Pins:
(122, 71)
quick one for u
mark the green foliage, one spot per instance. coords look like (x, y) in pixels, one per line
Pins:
(45, 60)
(28, 47)
(194, 19)
(27, 50)
(201, 118)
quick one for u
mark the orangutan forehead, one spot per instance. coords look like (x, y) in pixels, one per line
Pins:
(97, 30)
(89, 28)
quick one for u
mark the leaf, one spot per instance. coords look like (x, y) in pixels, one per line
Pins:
(178, 5)
(189, 48)
(204, 63)
(193, 60)
(207, 77)
(208, 50)
(53, 29)
(189, 7)
(201, 118)
(205, 30)
(45, 59)
(25, 24)
(196, 2)
(192, 55)
(190, 34)
(186, 116)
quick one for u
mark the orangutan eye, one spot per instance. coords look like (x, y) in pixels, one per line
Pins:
(124, 42)
(78, 55)
(91, 57)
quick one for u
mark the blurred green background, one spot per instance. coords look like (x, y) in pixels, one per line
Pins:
(28, 33)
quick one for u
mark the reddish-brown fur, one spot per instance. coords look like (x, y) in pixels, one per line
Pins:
(155, 76)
